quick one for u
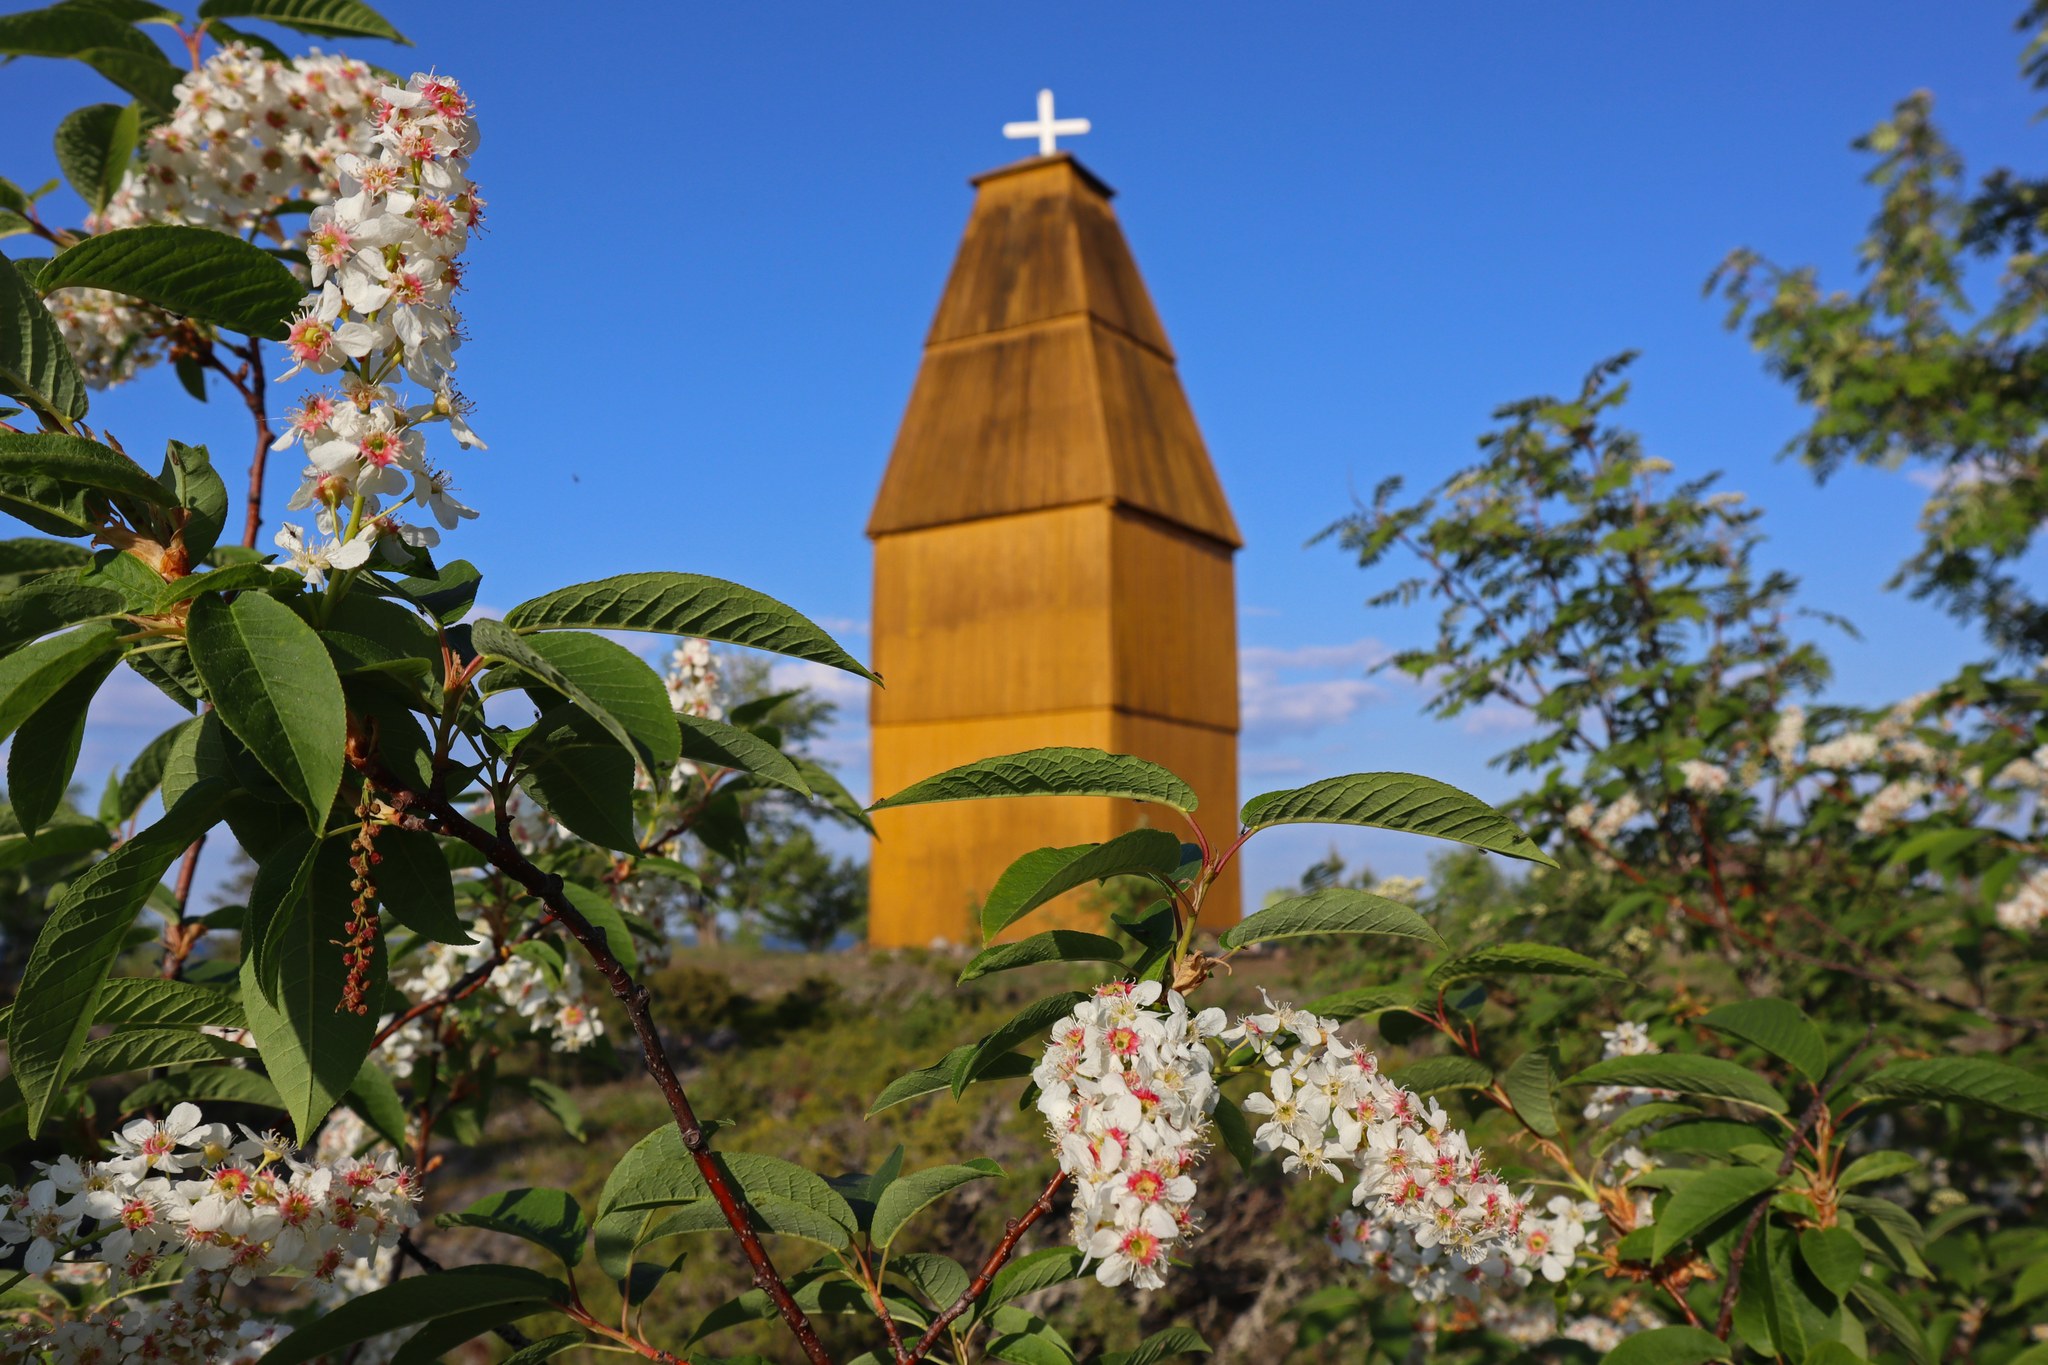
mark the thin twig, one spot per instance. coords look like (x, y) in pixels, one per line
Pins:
(1012, 1234)
(547, 888)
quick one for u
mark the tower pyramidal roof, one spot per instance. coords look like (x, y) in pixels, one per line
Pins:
(1047, 379)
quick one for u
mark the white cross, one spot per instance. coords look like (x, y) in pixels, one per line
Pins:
(1047, 129)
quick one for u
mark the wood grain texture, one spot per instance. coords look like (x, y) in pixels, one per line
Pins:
(1052, 561)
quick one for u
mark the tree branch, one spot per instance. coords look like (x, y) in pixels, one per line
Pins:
(547, 888)
(1012, 1234)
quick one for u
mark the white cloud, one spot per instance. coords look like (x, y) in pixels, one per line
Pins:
(1359, 654)
(1282, 696)
(1272, 708)
(845, 690)
(1494, 718)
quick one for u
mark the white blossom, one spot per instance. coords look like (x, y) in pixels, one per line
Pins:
(1126, 1089)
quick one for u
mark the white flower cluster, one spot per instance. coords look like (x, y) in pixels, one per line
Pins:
(1788, 736)
(1604, 824)
(1889, 804)
(2029, 772)
(1702, 778)
(564, 1014)
(1609, 1102)
(1326, 1106)
(2025, 906)
(249, 137)
(1547, 1245)
(1855, 750)
(189, 1327)
(384, 261)
(692, 679)
(245, 1208)
(1127, 1091)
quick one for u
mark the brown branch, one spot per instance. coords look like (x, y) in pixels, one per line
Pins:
(547, 888)
(465, 986)
(1013, 1232)
(179, 938)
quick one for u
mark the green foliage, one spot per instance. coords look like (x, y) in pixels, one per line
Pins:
(1062, 771)
(1399, 801)
(195, 272)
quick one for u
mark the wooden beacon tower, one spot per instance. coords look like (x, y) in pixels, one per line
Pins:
(1052, 558)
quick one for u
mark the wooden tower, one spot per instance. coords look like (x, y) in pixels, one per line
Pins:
(1052, 558)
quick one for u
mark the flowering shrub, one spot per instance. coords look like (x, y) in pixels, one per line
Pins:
(462, 825)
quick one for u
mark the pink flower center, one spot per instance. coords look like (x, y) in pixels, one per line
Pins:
(309, 340)
(1140, 1246)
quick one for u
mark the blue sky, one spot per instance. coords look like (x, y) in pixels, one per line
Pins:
(717, 234)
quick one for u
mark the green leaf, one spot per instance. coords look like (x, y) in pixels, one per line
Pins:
(1031, 1022)
(1433, 1074)
(436, 1339)
(274, 687)
(580, 775)
(194, 272)
(612, 684)
(916, 1192)
(65, 837)
(321, 18)
(1054, 945)
(1356, 1003)
(928, 1080)
(424, 1298)
(829, 792)
(66, 31)
(45, 754)
(725, 746)
(551, 1219)
(1779, 1027)
(374, 1096)
(204, 1085)
(685, 604)
(312, 1046)
(605, 917)
(1834, 1255)
(50, 603)
(1528, 1087)
(413, 884)
(35, 365)
(66, 485)
(24, 559)
(198, 489)
(1668, 1346)
(1704, 1199)
(144, 775)
(67, 968)
(1027, 1348)
(941, 1279)
(1399, 801)
(1236, 1132)
(1875, 1166)
(1962, 1080)
(1059, 771)
(95, 146)
(1029, 1274)
(557, 1102)
(141, 1049)
(658, 1171)
(149, 1000)
(146, 74)
(1334, 910)
(1688, 1075)
(1901, 1322)
(1174, 1341)
(1039, 876)
(1519, 959)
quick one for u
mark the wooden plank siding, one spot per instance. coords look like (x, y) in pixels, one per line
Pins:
(1052, 558)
